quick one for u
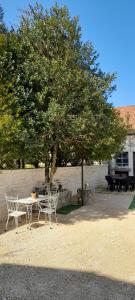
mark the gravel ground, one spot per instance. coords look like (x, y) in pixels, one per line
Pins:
(89, 255)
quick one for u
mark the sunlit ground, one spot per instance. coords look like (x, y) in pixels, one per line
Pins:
(90, 251)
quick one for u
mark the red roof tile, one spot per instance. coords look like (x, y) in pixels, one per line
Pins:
(128, 113)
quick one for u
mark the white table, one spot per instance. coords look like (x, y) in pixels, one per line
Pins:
(29, 202)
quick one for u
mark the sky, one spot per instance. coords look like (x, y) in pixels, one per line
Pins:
(110, 26)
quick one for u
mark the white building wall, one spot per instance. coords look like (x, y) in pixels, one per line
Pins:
(130, 158)
(130, 148)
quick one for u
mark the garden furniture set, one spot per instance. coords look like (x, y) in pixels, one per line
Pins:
(46, 204)
(120, 183)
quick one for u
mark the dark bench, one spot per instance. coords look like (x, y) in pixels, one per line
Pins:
(110, 181)
(131, 182)
(120, 183)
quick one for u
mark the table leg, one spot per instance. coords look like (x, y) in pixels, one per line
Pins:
(29, 214)
(16, 224)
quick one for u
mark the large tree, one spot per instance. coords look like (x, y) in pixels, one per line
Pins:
(2, 25)
(55, 94)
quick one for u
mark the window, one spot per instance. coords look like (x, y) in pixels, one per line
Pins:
(122, 159)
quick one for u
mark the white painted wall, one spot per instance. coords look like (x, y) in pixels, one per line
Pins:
(22, 182)
(130, 148)
(19, 182)
(70, 177)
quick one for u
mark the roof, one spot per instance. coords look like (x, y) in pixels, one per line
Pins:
(127, 113)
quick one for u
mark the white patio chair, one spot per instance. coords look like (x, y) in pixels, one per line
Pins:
(12, 209)
(50, 210)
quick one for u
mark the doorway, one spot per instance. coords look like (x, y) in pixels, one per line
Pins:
(134, 163)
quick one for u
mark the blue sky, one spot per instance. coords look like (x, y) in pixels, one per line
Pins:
(110, 25)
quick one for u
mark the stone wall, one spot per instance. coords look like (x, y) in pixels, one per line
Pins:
(22, 182)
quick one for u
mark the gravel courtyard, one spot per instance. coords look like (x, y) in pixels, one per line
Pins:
(89, 255)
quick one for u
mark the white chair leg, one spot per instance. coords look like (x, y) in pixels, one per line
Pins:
(56, 218)
(50, 220)
(7, 223)
(13, 221)
(45, 218)
(16, 222)
(38, 215)
(31, 214)
(20, 220)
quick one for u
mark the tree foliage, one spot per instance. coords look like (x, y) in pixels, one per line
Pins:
(53, 93)
(2, 25)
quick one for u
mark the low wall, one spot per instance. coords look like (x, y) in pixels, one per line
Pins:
(19, 182)
(22, 182)
(70, 177)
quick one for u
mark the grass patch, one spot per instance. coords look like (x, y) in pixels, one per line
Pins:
(132, 204)
(67, 209)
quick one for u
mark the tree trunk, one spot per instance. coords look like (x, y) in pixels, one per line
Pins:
(47, 164)
(22, 163)
(82, 178)
(18, 163)
(53, 162)
(36, 164)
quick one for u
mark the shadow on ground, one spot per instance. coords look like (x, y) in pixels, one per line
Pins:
(106, 206)
(92, 215)
(85, 213)
(26, 282)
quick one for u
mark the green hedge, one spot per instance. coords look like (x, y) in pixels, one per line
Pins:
(132, 204)
(67, 209)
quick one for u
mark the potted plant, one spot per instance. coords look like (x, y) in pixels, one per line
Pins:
(34, 194)
(59, 187)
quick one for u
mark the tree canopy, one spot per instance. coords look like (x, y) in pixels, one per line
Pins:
(53, 94)
(2, 25)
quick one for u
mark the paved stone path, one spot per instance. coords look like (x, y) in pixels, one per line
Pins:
(89, 255)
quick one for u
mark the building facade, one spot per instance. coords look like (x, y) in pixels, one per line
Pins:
(124, 163)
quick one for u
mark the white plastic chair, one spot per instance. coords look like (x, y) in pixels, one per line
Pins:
(50, 210)
(12, 209)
